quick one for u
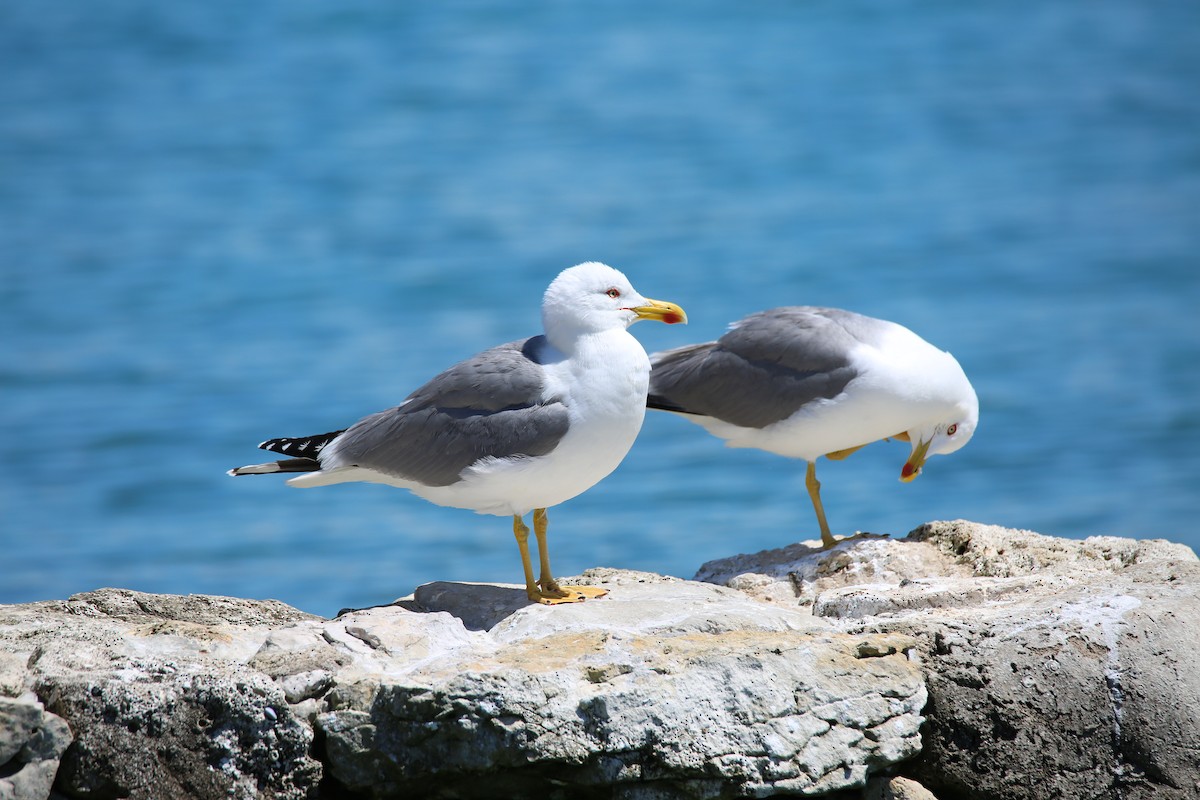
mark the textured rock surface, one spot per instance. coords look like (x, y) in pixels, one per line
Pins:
(666, 688)
(1056, 668)
(964, 661)
(31, 743)
(158, 697)
(665, 682)
(883, 788)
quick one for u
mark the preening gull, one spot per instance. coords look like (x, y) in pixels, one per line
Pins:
(517, 428)
(806, 382)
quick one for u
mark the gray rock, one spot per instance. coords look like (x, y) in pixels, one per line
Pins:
(663, 688)
(1076, 695)
(664, 683)
(31, 743)
(14, 674)
(1056, 668)
(158, 697)
(897, 788)
(965, 661)
(202, 736)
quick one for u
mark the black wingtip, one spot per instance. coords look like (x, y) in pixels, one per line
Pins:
(301, 447)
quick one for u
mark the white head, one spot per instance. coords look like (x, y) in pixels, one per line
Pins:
(947, 429)
(592, 298)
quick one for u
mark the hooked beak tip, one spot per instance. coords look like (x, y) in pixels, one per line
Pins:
(912, 467)
(662, 311)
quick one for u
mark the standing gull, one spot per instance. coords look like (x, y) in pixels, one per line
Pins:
(518, 428)
(807, 382)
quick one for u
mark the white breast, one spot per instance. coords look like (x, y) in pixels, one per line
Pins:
(603, 384)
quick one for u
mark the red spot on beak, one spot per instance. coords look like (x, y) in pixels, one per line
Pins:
(671, 318)
(908, 472)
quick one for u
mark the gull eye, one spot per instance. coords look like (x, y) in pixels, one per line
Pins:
(614, 293)
(953, 429)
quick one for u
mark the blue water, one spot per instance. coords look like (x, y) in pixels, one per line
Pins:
(221, 222)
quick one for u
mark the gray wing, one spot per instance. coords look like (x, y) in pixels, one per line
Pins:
(768, 366)
(488, 405)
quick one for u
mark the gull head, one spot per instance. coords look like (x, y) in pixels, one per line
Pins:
(951, 427)
(593, 298)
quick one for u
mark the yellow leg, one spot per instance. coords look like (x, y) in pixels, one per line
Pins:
(814, 492)
(838, 455)
(521, 531)
(545, 590)
(546, 582)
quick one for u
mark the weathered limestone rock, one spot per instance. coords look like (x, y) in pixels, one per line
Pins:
(897, 788)
(964, 661)
(158, 697)
(31, 743)
(666, 684)
(666, 688)
(1056, 668)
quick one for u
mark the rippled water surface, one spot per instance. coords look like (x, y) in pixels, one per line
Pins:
(221, 222)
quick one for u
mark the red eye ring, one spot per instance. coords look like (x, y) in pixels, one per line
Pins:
(953, 429)
(614, 293)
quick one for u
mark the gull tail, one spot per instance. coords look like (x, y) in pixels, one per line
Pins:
(304, 452)
(672, 374)
(659, 403)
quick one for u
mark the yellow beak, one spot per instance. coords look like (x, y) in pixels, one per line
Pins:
(912, 467)
(661, 311)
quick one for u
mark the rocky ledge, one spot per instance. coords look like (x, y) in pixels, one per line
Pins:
(964, 661)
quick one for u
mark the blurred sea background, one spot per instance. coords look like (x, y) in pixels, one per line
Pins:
(222, 222)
